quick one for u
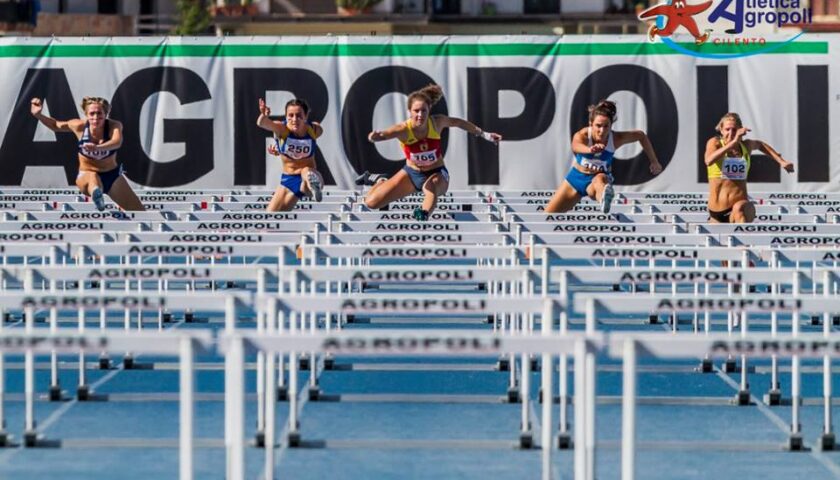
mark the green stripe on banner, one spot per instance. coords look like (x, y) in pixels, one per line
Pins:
(56, 50)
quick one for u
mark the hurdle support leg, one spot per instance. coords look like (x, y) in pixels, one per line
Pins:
(628, 415)
(186, 410)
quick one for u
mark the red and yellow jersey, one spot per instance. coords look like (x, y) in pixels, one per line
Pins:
(423, 152)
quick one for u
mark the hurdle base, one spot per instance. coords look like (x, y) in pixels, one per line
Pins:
(795, 443)
(259, 440)
(564, 441)
(293, 439)
(30, 439)
(706, 366)
(167, 317)
(282, 394)
(535, 365)
(189, 317)
(827, 442)
(773, 397)
(490, 319)
(835, 320)
(128, 363)
(482, 287)
(526, 441)
(104, 363)
(83, 393)
(653, 319)
(55, 393)
(503, 365)
(349, 318)
(314, 394)
(230, 285)
(303, 363)
(816, 320)
(94, 284)
(329, 363)
(5, 439)
(513, 395)
(729, 366)
(742, 398)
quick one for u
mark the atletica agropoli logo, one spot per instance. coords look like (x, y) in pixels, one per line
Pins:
(732, 22)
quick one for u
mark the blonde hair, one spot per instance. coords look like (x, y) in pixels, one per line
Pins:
(88, 101)
(729, 116)
(430, 94)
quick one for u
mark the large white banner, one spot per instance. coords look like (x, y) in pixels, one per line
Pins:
(189, 106)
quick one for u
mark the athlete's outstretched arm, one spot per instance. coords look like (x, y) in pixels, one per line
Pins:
(394, 131)
(644, 141)
(264, 120)
(443, 121)
(35, 108)
(765, 148)
(580, 143)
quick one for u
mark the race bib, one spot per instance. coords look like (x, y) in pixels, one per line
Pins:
(734, 169)
(298, 148)
(98, 154)
(424, 159)
(594, 164)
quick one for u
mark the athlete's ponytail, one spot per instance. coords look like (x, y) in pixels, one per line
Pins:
(730, 116)
(605, 108)
(88, 101)
(430, 94)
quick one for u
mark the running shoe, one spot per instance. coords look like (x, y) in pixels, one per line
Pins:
(98, 199)
(369, 179)
(363, 179)
(315, 186)
(606, 200)
(420, 215)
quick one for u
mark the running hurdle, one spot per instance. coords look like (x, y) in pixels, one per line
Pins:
(456, 305)
(185, 346)
(79, 302)
(630, 347)
(276, 341)
(793, 304)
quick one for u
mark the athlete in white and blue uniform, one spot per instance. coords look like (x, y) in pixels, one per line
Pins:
(594, 147)
(295, 143)
(99, 138)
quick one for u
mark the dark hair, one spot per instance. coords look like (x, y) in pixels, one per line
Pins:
(297, 102)
(430, 94)
(605, 108)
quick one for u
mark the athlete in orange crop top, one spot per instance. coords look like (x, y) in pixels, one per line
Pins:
(728, 162)
(419, 138)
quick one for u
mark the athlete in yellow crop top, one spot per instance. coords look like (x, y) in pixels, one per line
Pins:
(727, 162)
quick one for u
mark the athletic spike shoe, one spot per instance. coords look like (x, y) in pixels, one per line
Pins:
(376, 177)
(98, 199)
(362, 179)
(315, 186)
(606, 200)
(369, 179)
(420, 215)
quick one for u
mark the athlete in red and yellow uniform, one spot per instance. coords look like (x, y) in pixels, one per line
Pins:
(419, 138)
